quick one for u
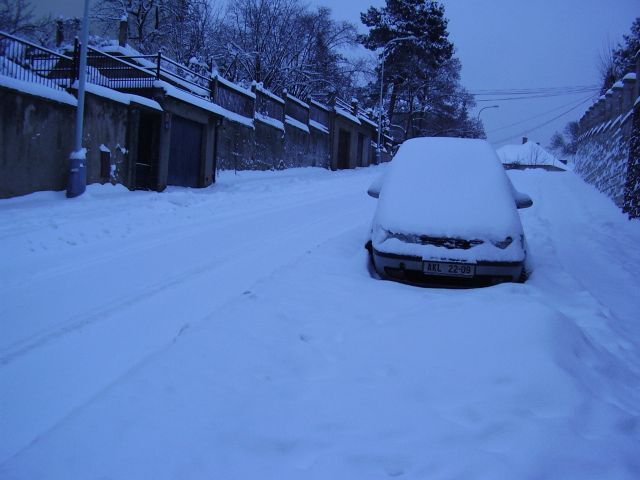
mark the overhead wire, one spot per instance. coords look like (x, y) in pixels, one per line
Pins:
(537, 127)
(541, 114)
(527, 91)
(534, 96)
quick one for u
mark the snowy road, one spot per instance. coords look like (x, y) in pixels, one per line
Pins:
(234, 332)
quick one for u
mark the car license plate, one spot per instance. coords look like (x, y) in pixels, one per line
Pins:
(449, 269)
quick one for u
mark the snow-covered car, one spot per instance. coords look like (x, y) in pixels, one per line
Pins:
(447, 214)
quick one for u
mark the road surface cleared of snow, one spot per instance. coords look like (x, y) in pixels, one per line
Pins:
(235, 332)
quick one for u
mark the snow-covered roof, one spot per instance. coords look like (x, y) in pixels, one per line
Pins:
(38, 90)
(268, 93)
(296, 123)
(318, 104)
(116, 96)
(236, 87)
(203, 103)
(368, 120)
(529, 153)
(343, 113)
(274, 122)
(318, 126)
(298, 101)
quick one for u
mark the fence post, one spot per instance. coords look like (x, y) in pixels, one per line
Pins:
(158, 66)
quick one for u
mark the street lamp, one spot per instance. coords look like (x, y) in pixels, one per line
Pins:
(484, 108)
(378, 149)
(77, 181)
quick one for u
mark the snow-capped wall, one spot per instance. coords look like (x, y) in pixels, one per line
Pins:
(602, 158)
(36, 134)
(608, 154)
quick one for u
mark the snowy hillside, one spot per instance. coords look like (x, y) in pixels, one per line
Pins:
(527, 154)
(235, 332)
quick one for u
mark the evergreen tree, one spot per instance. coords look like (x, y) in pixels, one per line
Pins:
(420, 71)
(620, 60)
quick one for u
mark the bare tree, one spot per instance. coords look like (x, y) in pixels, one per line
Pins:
(16, 17)
(284, 45)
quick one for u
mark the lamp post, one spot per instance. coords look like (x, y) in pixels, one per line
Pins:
(378, 149)
(484, 108)
(77, 181)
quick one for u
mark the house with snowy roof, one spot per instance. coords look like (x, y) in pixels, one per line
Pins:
(529, 155)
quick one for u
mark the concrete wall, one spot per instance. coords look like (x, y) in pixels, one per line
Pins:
(36, 138)
(607, 156)
(37, 135)
(236, 148)
(107, 123)
(319, 148)
(296, 148)
(269, 147)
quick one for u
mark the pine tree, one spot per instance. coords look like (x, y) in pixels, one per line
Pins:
(420, 70)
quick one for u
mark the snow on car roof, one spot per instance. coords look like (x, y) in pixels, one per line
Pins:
(449, 187)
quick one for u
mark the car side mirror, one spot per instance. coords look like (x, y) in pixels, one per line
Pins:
(523, 200)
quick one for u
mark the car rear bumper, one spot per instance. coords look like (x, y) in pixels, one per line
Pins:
(410, 270)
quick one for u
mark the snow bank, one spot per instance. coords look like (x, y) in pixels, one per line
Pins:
(527, 154)
(451, 188)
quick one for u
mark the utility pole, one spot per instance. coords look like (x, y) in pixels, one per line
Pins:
(77, 181)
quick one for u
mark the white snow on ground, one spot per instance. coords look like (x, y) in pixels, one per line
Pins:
(234, 332)
(527, 154)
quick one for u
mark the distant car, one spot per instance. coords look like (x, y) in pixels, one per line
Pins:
(446, 214)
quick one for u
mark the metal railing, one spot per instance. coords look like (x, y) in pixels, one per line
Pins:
(164, 68)
(115, 72)
(27, 61)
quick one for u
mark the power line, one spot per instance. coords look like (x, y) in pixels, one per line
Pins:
(541, 114)
(506, 99)
(537, 127)
(527, 91)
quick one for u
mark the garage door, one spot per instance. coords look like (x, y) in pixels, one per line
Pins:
(185, 152)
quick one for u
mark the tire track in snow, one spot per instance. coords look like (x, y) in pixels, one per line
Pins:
(117, 316)
(13, 351)
(163, 236)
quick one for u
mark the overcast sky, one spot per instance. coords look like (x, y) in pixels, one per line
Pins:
(509, 44)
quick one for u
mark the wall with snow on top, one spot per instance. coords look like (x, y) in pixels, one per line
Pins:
(35, 143)
(602, 159)
(608, 154)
